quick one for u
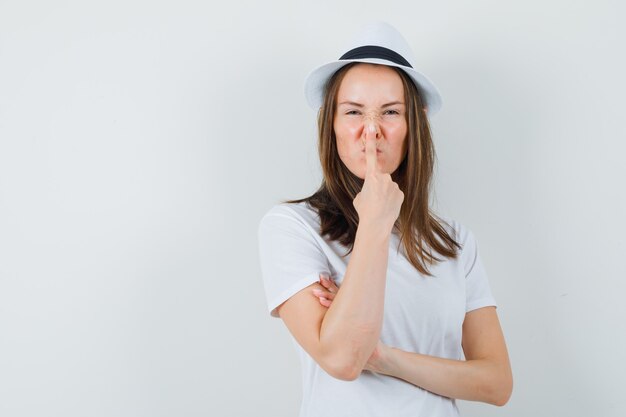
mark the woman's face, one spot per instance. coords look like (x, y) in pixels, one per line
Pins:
(371, 95)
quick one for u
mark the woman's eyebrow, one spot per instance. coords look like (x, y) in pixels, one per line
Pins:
(352, 103)
(393, 103)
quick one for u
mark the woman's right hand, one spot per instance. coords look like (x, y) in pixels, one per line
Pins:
(380, 199)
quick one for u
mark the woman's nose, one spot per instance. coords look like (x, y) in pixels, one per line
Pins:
(368, 125)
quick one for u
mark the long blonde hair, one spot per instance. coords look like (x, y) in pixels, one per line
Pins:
(419, 228)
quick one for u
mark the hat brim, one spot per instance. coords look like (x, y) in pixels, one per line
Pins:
(316, 81)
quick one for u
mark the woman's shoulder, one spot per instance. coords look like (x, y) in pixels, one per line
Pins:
(301, 212)
(289, 209)
(458, 230)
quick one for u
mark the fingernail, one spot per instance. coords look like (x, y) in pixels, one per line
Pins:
(317, 292)
(372, 129)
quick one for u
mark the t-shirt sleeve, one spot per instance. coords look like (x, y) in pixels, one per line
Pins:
(477, 290)
(290, 257)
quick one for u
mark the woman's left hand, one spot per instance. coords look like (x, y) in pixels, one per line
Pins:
(378, 359)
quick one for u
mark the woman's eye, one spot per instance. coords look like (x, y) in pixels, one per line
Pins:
(352, 112)
(392, 112)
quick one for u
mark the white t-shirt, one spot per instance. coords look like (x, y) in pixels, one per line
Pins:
(422, 314)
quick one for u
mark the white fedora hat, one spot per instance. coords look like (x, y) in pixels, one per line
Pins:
(377, 43)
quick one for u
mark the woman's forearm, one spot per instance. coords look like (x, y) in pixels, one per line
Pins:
(474, 380)
(351, 327)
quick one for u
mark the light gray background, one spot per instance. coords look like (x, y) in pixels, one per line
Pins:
(141, 142)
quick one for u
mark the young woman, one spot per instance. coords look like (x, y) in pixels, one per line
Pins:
(388, 304)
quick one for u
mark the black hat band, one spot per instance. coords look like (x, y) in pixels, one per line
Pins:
(372, 51)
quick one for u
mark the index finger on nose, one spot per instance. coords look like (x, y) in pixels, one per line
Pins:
(370, 150)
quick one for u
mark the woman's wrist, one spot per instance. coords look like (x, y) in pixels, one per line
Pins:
(387, 363)
(373, 232)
